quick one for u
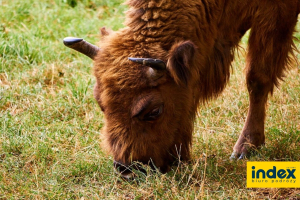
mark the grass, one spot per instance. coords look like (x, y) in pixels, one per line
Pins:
(50, 123)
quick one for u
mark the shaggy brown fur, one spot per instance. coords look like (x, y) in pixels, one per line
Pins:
(197, 40)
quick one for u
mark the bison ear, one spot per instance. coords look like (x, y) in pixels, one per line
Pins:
(105, 32)
(181, 57)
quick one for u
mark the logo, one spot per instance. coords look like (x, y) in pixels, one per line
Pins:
(273, 174)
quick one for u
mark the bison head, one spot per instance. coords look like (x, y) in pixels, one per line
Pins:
(147, 93)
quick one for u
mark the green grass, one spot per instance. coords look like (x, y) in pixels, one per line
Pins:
(50, 123)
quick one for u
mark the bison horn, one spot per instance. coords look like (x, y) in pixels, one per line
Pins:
(153, 63)
(82, 46)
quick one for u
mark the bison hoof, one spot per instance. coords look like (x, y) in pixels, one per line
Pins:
(237, 156)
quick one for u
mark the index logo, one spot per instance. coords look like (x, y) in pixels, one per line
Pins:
(273, 174)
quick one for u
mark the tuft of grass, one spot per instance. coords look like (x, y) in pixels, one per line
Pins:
(50, 123)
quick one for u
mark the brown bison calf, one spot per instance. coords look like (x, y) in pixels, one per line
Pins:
(174, 54)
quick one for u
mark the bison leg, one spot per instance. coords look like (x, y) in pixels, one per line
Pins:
(270, 52)
(253, 131)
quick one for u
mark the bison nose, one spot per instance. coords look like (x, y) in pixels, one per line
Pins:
(123, 169)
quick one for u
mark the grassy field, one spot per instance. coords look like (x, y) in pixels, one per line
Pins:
(50, 123)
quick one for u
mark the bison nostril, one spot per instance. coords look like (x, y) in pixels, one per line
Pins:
(126, 170)
(123, 169)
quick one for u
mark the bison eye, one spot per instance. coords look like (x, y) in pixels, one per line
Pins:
(153, 114)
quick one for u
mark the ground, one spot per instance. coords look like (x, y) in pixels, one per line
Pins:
(50, 124)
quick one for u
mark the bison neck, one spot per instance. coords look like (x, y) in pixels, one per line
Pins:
(207, 23)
